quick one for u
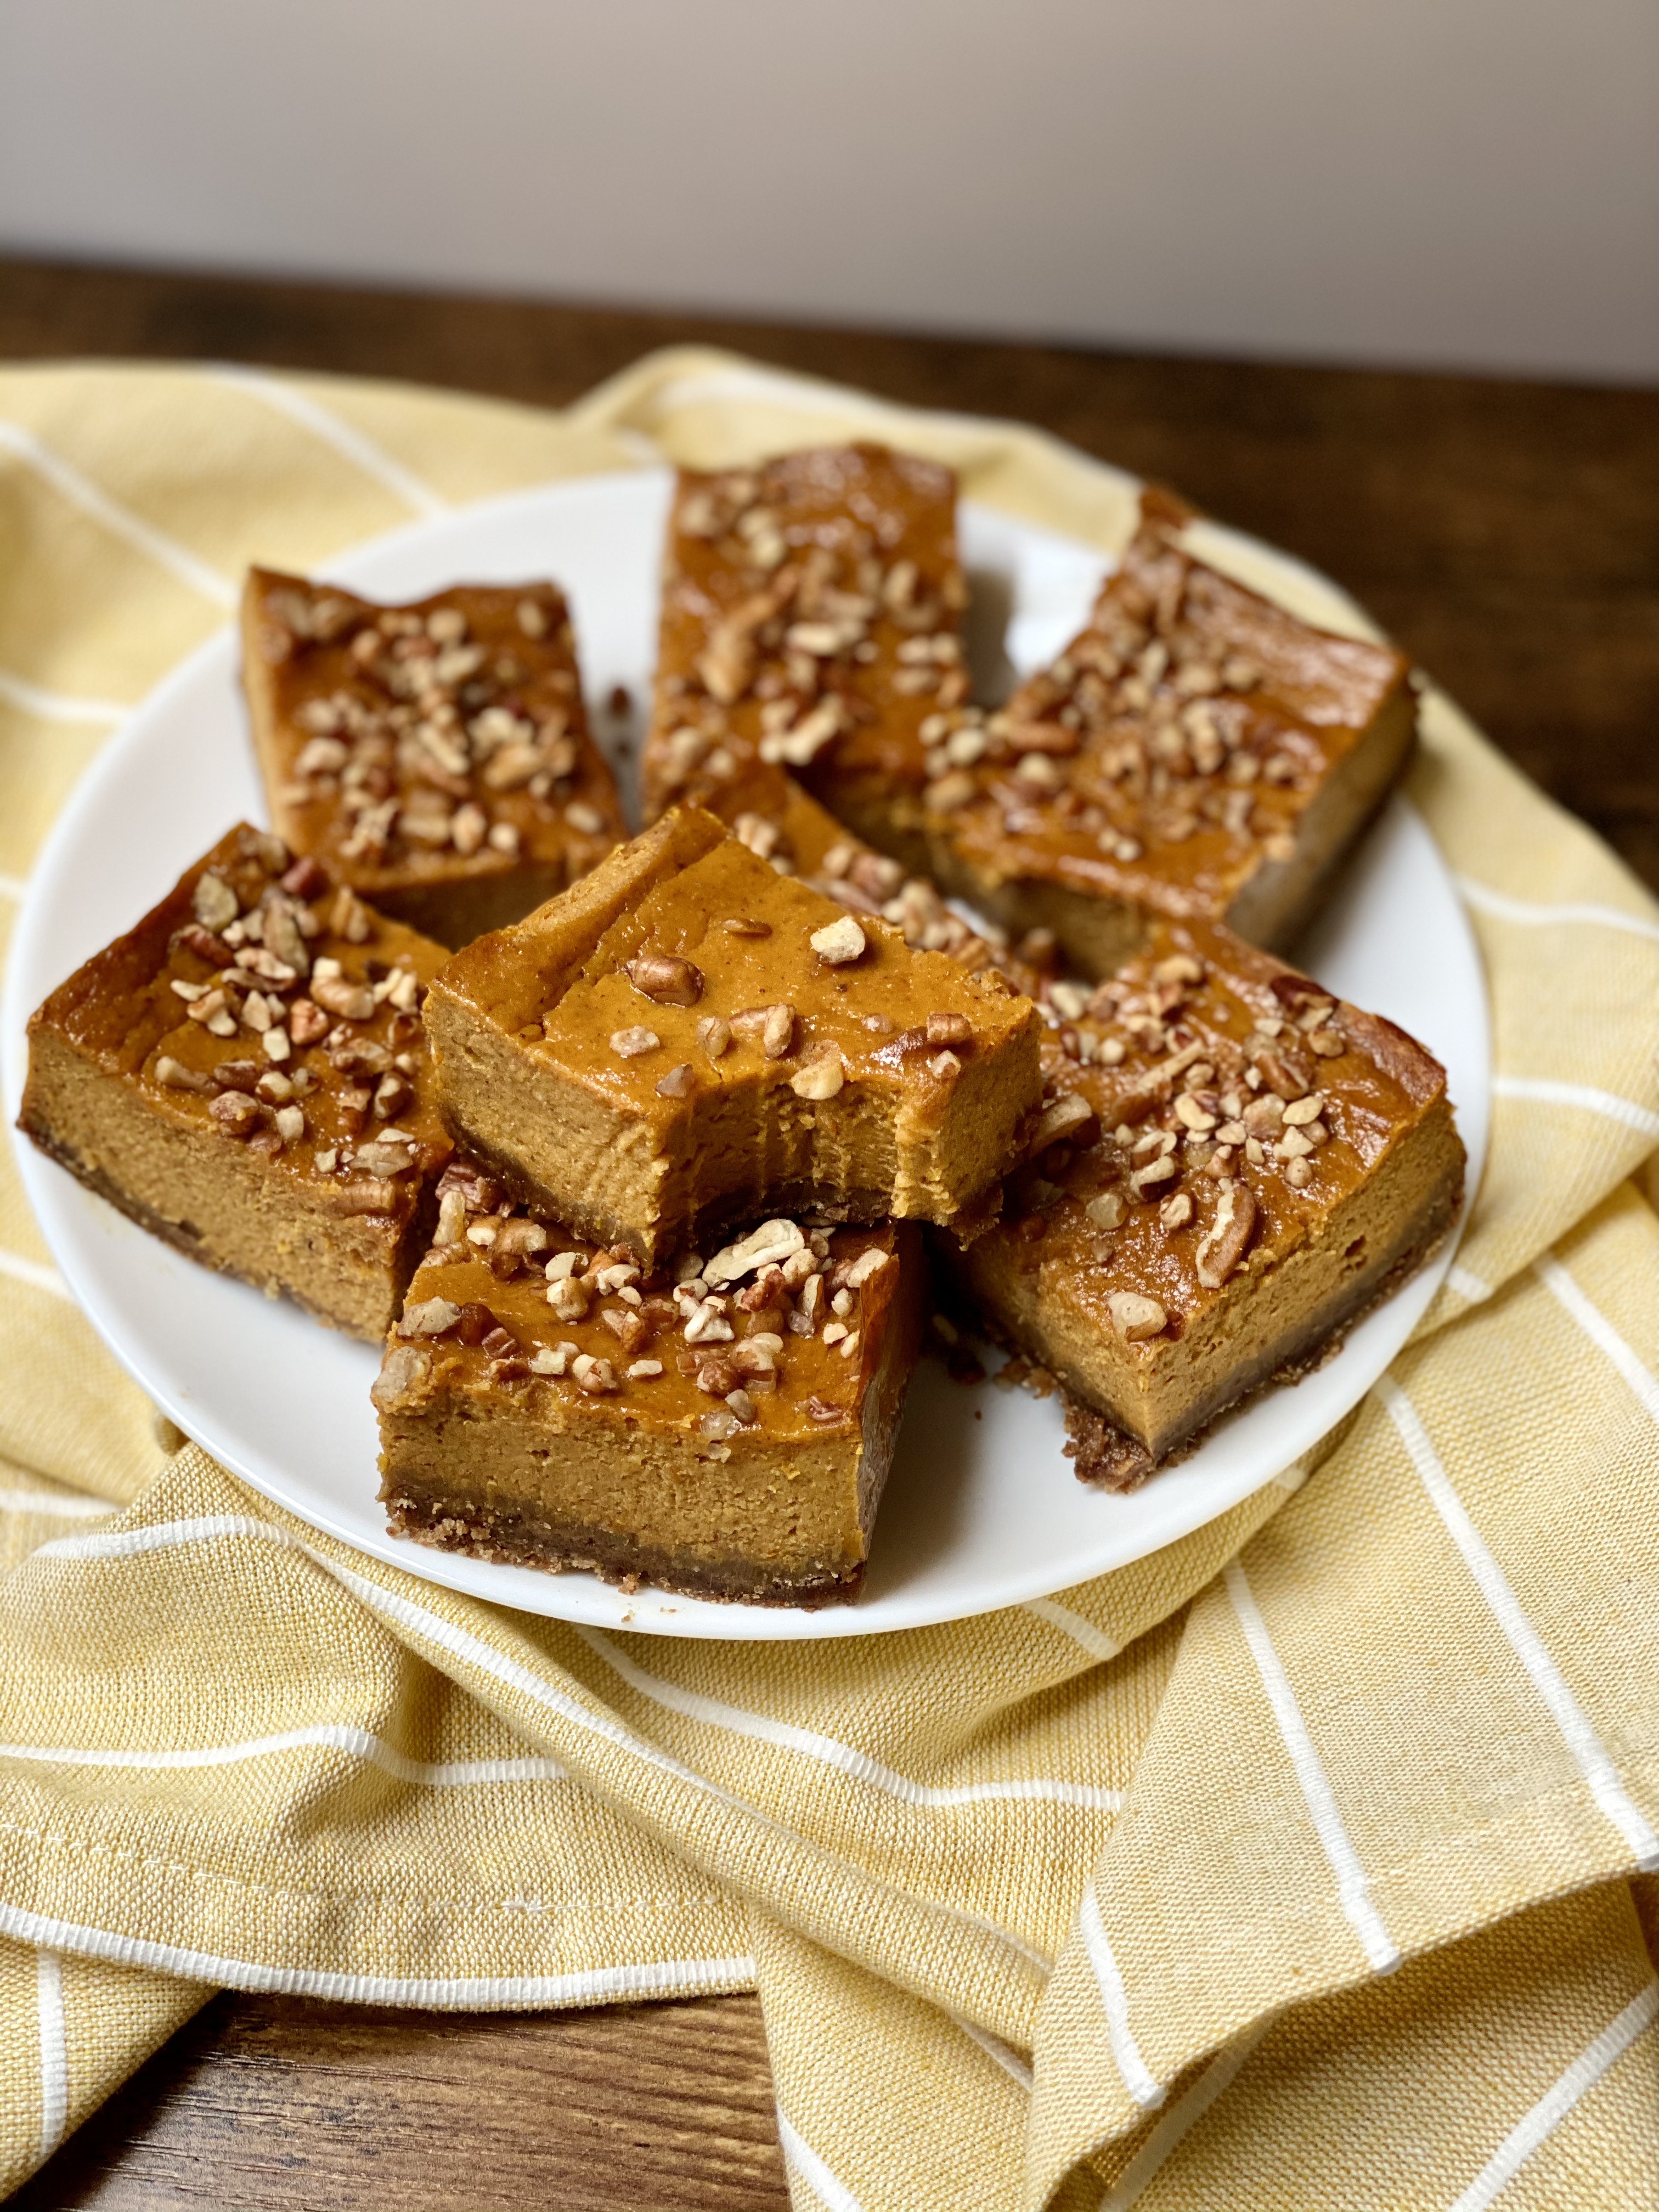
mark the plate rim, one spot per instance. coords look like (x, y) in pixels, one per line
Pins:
(701, 1620)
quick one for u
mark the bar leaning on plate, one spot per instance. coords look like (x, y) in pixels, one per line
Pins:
(245, 1074)
(1195, 752)
(723, 1427)
(436, 757)
(811, 611)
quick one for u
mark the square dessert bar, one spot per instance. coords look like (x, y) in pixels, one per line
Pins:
(688, 1038)
(811, 617)
(245, 1074)
(1231, 1165)
(724, 1427)
(436, 757)
(784, 825)
(1195, 752)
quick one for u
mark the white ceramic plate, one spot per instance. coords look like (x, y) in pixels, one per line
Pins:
(982, 1510)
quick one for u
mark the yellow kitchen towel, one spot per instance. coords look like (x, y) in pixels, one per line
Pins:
(1309, 1863)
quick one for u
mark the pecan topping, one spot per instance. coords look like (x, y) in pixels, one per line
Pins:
(283, 941)
(1282, 1072)
(568, 1298)
(1136, 1318)
(855, 1273)
(766, 1247)
(392, 1094)
(629, 1044)
(304, 879)
(820, 1079)
(707, 1324)
(839, 942)
(1155, 1172)
(1062, 1119)
(350, 917)
(237, 1114)
(522, 1238)
(384, 1158)
(402, 1372)
(430, 1317)
(177, 1077)
(205, 945)
(352, 1002)
(632, 1329)
(213, 902)
(475, 1323)
(1223, 1244)
(666, 978)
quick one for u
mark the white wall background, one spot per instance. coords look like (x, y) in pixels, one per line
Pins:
(1465, 183)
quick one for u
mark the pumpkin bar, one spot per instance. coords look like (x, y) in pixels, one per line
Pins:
(811, 618)
(1231, 1165)
(782, 825)
(1196, 752)
(434, 756)
(245, 1073)
(688, 1038)
(724, 1427)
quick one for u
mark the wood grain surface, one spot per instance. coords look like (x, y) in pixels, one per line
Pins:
(1507, 533)
(275, 2104)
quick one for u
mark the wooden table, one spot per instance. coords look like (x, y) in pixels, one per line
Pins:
(1507, 533)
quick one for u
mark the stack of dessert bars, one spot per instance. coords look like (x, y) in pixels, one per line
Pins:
(655, 1163)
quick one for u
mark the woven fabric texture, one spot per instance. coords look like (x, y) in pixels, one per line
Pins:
(1309, 1863)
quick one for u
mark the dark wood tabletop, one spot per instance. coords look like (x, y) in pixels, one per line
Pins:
(1508, 535)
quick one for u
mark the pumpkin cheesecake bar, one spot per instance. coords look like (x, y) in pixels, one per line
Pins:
(784, 825)
(1195, 752)
(434, 756)
(811, 619)
(245, 1074)
(723, 1427)
(688, 1038)
(1231, 1165)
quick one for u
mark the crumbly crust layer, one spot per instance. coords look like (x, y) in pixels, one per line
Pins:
(518, 1539)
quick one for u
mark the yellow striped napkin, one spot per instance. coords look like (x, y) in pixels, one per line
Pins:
(1301, 1864)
